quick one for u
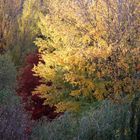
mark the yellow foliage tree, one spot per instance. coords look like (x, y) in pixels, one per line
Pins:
(83, 54)
(27, 29)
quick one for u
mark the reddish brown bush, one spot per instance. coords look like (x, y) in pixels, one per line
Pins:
(27, 82)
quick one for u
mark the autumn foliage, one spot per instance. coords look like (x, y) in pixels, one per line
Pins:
(26, 84)
(69, 69)
(89, 51)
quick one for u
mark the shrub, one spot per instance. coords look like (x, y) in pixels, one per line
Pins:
(13, 119)
(7, 78)
(27, 82)
(106, 122)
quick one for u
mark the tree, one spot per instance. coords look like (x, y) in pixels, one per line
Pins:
(82, 57)
(27, 29)
(9, 11)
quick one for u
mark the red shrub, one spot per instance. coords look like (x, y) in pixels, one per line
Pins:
(27, 82)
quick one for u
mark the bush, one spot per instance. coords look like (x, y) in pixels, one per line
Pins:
(27, 82)
(64, 127)
(14, 123)
(107, 122)
(7, 78)
(13, 120)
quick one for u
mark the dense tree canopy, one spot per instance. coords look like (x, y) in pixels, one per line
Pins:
(83, 57)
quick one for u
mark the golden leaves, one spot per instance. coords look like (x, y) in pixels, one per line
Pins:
(79, 59)
(75, 93)
(67, 106)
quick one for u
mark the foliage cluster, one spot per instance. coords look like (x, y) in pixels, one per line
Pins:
(82, 55)
(103, 123)
(27, 82)
(14, 122)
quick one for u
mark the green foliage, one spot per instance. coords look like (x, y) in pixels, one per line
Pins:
(7, 78)
(13, 119)
(103, 123)
(62, 128)
(7, 72)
